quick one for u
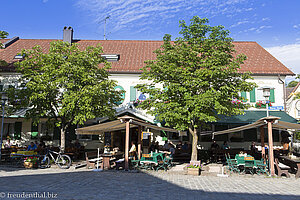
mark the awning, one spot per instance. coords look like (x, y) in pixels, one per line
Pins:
(278, 124)
(117, 125)
(251, 116)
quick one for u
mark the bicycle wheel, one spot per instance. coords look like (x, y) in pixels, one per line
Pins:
(45, 163)
(64, 161)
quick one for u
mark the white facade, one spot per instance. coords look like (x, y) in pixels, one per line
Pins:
(293, 105)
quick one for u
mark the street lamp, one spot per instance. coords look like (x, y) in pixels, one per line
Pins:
(4, 99)
(266, 93)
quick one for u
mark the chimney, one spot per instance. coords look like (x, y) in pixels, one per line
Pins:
(68, 34)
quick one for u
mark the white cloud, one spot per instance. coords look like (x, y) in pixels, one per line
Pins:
(288, 55)
(45, 1)
(136, 15)
(296, 26)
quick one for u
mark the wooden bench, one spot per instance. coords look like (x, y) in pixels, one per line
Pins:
(282, 169)
(92, 159)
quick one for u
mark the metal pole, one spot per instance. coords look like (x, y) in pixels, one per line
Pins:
(267, 106)
(3, 103)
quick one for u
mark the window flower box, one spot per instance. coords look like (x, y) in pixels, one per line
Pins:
(261, 104)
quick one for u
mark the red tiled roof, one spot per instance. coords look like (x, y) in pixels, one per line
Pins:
(133, 54)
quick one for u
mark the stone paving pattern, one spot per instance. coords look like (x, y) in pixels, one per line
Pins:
(117, 185)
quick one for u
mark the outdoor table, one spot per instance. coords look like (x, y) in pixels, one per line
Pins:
(294, 162)
(148, 161)
(107, 157)
(246, 162)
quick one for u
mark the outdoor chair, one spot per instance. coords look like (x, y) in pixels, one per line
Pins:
(134, 164)
(282, 169)
(261, 167)
(231, 164)
(165, 164)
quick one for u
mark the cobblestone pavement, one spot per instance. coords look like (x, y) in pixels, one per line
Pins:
(88, 184)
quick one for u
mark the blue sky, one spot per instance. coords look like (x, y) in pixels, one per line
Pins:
(274, 24)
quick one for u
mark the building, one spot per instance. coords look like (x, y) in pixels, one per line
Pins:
(293, 105)
(266, 71)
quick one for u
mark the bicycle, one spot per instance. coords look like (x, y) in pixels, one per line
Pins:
(62, 161)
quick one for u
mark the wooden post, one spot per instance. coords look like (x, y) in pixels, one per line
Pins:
(127, 144)
(262, 140)
(271, 153)
(139, 141)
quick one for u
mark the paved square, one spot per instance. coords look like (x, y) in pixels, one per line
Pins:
(87, 184)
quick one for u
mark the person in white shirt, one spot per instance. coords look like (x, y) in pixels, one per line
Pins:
(132, 151)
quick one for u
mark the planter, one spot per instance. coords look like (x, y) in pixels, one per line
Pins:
(194, 171)
(28, 165)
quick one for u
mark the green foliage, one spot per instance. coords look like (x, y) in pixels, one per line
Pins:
(3, 35)
(292, 84)
(297, 135)
(200, 74)
(64, 85)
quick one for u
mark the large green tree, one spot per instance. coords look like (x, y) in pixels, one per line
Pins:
(65, 85)
(199, 78)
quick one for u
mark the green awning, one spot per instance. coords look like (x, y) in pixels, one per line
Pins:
(252, 116)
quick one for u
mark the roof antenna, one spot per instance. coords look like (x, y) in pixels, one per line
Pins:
(106, 18)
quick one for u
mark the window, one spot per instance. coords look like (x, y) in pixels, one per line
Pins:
(8, 130)
(260, 97)
(111, 57)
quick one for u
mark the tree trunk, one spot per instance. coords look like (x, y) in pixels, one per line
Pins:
(193, 132)
(62, 139)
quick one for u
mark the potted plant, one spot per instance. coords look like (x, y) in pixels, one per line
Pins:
(30, 162)
(194, 169)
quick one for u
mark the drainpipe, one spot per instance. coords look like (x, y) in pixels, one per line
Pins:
(280, 81)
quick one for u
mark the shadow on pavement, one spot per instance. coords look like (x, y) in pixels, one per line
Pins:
(119, 185)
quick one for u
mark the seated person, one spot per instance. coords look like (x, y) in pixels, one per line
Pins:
(31, 147)
(77, 145)
(242, 154)
(132, 151)
(41, 147)
(8, 143)
(157, 146)
(185, 146)
(166, 145)
(214, 145)
(152, 147)
(171, 150)
(179, 145)
(225, 145)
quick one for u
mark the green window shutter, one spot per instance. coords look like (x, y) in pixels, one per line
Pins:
(18, 130)
(244, 96)
(132, 93)
(252, 96)
(272, 96)
(123, 94)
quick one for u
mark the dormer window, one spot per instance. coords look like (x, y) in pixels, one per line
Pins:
(19, 56)
(111, 57)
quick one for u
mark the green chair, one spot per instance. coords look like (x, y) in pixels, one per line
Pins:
(261, 167)
(232, 164)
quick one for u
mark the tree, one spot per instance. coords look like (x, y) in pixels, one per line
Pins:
(3, 35)
(292, 84)
(65, 85)
(199, 78)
